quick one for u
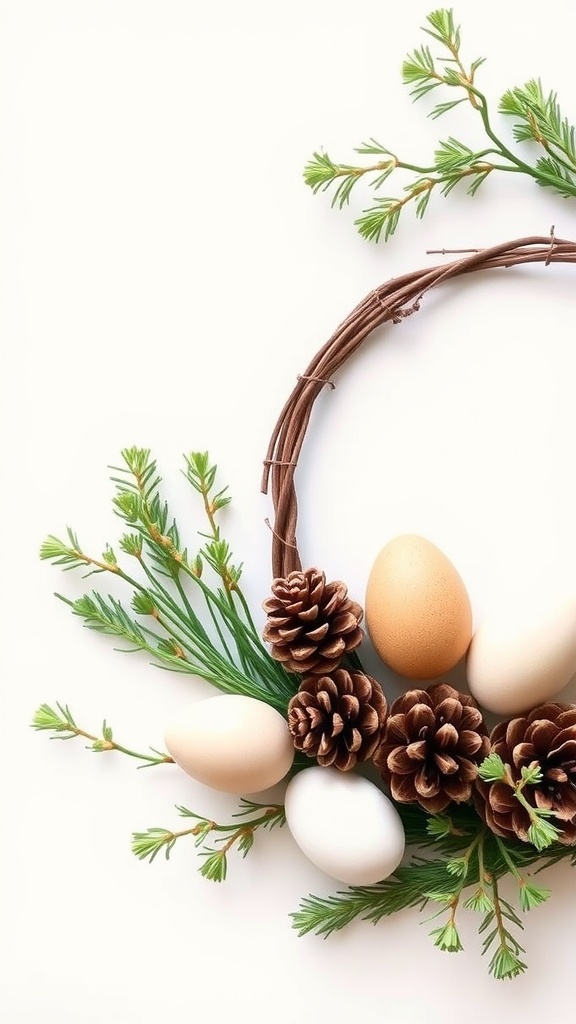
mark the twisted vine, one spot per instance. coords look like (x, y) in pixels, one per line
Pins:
(391, 302)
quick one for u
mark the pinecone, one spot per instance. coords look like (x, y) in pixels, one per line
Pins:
(546, 735)
(431, 747)
(338, 719)
(311, 624)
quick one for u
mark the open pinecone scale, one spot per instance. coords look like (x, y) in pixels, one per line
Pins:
(338, 719)
(311, 624)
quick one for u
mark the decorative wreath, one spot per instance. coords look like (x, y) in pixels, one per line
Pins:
(457, 808)
(454, 807)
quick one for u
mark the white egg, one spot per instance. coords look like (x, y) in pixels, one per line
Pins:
(232, 743)
(523, 653)
(345, 825)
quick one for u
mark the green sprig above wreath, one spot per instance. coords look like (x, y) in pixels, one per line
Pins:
(435, 69)
(469, 807)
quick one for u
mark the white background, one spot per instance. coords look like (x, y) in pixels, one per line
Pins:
(165, 275)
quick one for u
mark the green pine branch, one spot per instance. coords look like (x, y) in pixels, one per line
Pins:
(165, 584)
(542, 833)
(64, 727)
(147, 845)
(427, 69)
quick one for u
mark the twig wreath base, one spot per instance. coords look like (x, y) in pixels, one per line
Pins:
(391, 302)
(497, 805)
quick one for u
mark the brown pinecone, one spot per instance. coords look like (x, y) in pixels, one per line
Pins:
(311, 624)
(431, 747)
(546, 735)
(338, 719)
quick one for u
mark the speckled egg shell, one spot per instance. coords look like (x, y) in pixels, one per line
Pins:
(418, 612)
(232, 743)
(344, 825)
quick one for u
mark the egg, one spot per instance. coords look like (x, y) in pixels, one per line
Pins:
(418, 612)
(232, 743)
(524, 652)
(345, 825)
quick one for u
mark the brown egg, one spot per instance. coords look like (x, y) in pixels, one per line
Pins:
(418, 613)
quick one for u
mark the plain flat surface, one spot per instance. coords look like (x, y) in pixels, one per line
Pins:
(165, 275)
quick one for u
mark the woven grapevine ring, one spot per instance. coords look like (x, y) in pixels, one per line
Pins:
(392, 302)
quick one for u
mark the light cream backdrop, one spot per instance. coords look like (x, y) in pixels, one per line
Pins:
(165, 277)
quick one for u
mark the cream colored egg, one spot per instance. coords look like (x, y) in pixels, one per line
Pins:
(418, 612)
(232, 743)
(345, 825)
(523, 653)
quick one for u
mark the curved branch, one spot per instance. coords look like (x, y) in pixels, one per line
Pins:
(392, 302)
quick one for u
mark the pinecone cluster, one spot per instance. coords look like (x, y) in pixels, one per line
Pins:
(431, 747)
(311, 624)
(547, 736)
(338, 718)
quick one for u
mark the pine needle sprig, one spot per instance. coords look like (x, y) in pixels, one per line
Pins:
(542, 833)
(448, 833)
(70, 556)
(147, 845)
(505, 962)
(530, 895)
(539, 119)
(64, 727)
(321, 173)
(405, 888)
(165, 624)
(537, 116)
(227, 606)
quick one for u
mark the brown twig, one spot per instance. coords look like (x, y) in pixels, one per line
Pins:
(392, 301)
